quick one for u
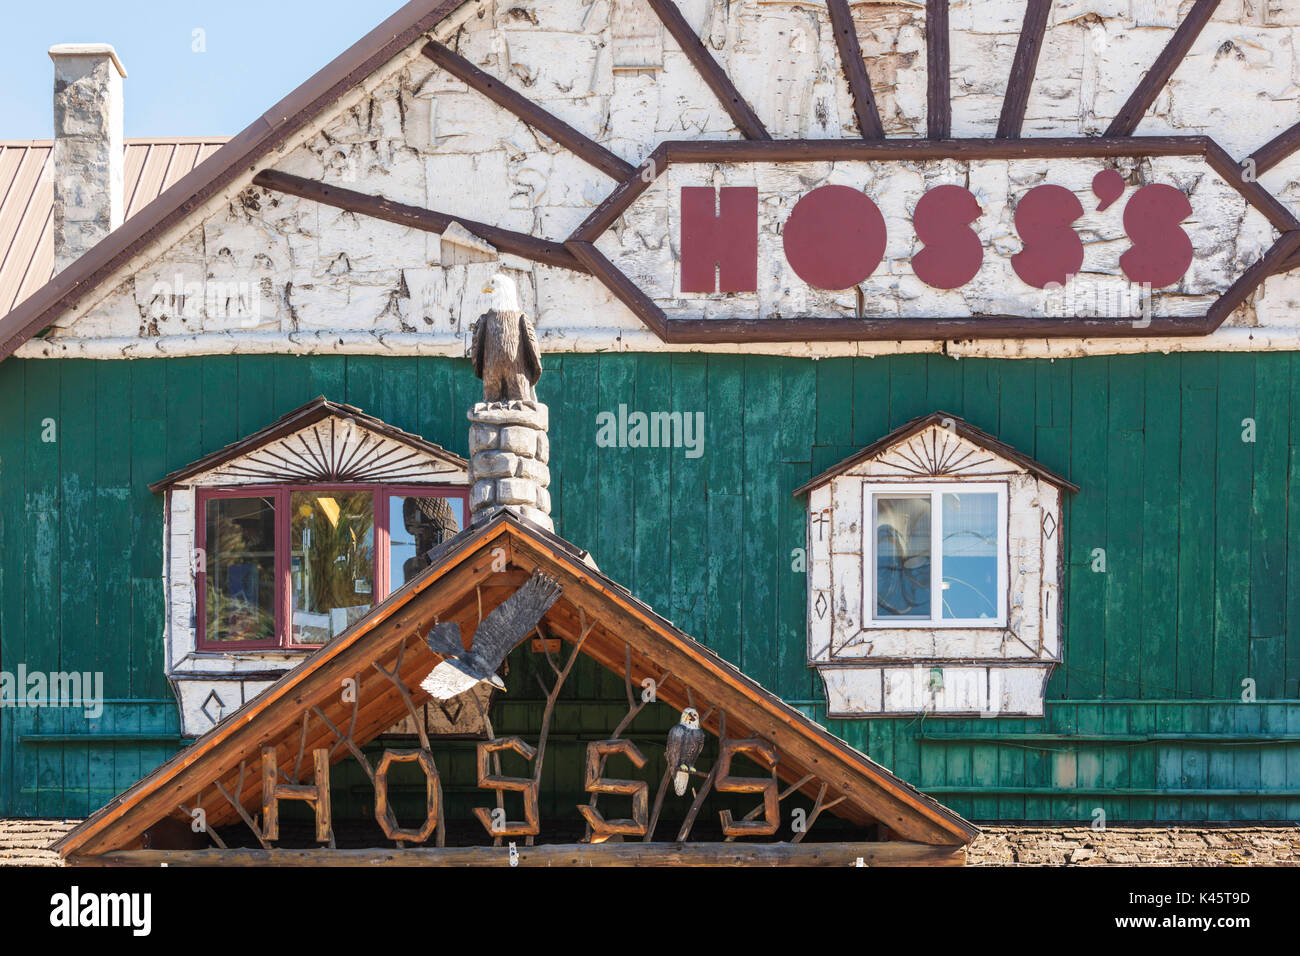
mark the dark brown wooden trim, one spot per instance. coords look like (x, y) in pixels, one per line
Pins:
(804, 150)
(1149, 87)
(521, 106)
(836, 329)
(1023, 69)
(1287, 265)
(885, 853)
(938, 81)
(855, 70)
(1276, 149)
(621, 287)
(737, 108)
(1255, 194)
(426, 220)
(1287, 246)
(269, 131)
(624, 194)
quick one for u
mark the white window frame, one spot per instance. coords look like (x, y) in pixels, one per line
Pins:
(933, 490)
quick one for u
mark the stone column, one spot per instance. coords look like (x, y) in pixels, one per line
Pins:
(89, 163)
(509, 450)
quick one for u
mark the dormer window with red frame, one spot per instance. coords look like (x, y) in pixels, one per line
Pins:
(277, 544)
(293, 566)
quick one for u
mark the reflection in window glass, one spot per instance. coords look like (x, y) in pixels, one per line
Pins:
(970, 556)
(331, 554)
(415, 526)
(239, 596)
(902, 557)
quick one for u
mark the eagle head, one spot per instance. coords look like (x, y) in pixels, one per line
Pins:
(690, 718)
(504, 294)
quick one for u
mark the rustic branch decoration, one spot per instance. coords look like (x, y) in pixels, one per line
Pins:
(347, 741)
(598, 751)
(317, 794)
(689, 821)
(210, 831)
(396, 681)
(819, 807)
(527, 786)
(584, 630)
(433, 797)
(239, 807)
(635, 706)
(761, 752)
(788, 791)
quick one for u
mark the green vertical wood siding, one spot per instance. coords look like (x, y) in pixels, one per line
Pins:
(1200, 530)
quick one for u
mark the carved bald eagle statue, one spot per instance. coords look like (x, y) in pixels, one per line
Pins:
(494, 638)
(685, 741)
(504, 348)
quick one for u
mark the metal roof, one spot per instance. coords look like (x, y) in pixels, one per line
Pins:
(27, 201)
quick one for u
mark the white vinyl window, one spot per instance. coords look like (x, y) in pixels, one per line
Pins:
(938, 554)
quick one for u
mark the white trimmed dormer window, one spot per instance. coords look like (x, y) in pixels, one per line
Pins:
(935, 565)
(278, 543)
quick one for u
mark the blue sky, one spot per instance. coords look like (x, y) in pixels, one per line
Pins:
(256, 51)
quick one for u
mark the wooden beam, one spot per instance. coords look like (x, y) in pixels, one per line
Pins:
(855, 71)
(938, 82)
(890, 853)
(1282, 219)
(581, 146)
(426, 220)
(1149, 87)
(1023, 69)
(1274, 261)
(741, 113)
(1276, 149)
(621, 287)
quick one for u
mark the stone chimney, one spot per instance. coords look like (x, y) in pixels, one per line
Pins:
(88, 147)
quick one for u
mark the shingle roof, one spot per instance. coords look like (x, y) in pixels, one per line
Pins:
(27, 201)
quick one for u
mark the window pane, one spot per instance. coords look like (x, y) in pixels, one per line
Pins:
(902, 557)
(970, 556)
(415, 527)
(332, 560)
(239, 594)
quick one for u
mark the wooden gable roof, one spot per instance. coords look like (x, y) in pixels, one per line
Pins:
(320, 458)
(386, 654)
(960, 427)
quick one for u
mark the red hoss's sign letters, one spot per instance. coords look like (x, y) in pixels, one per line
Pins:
(835, 236)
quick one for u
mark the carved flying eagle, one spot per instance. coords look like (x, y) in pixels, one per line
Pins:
(496, 636)
(504, 348)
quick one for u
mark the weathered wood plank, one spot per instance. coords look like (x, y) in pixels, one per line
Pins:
(889, 853)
